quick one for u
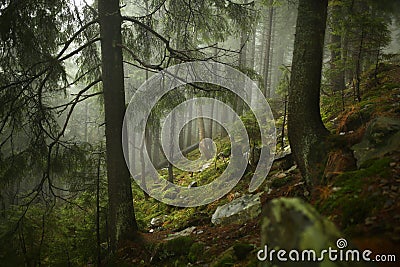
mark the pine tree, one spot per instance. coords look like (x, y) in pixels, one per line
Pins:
(306, 131)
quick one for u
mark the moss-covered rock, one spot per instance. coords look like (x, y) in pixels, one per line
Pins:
(173, 248)
(238, 211)
(179, 246)
(291, 224)
(196, 252)
(225, 259)
(381, 137)
(235, 254)
(350, 199)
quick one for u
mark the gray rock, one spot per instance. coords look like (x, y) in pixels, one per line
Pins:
(186, 232)
(381, 137)
(238, 211)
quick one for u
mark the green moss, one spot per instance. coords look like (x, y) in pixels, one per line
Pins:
(390, 86)
(369, 169)
(236, 254)
(178, 246)
(356, 210)
(227, 258)
(196, 252)
(330, 108)
(179, 218)
(350, 199)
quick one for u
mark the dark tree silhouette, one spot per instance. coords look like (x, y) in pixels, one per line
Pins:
(121, 212)
(306, 131)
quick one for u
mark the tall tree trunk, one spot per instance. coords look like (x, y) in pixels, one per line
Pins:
(211, 125)
(284, 123)
(200, 123)
(358, 66)
(268, 37)
(345, 57)
(204, 145)
(337, 77)
(148, 133)
(262, 49)
(252, 49)
(171, 155)
(98, 247)
(239, 105)
(143, 167)
(86, 137)
(121, 213)
(189, 128)
(271, 58)
(157, 154)
(337, 71)
(307, 133)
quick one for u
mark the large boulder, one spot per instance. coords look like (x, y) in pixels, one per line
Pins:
(381, 137)
(238, 211)
(291, 224)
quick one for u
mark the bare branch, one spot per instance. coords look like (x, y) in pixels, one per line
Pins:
(140, 67)
(76, 34)
(157, 8)
(144, 64)
(79, 49)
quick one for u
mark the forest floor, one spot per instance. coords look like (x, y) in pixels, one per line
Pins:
(364, 203)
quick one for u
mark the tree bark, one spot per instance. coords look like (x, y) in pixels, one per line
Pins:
(210, 129)
(358, 66)
(157, 153)
(171, 155)
(143, 167)
(268, 35)
(121, 213)
(307, 133)
(337, 77)
(189, 130)
(239, 105)
(98, 240)
(252, 49)
(204, 144)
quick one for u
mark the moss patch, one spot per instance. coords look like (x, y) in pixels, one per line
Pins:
(231, 257)
(352, 200)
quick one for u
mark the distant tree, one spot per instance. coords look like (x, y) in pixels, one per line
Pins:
(336, 72)
(268, 45)
(306, 131)
(359, 31)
